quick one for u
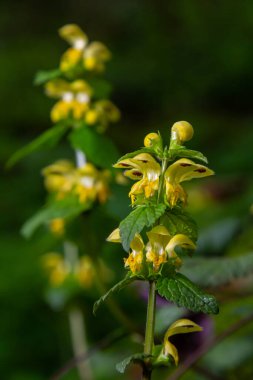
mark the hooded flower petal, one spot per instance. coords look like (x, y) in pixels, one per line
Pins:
(95, 56)
(159, 238)
(178, 240)
(182, 170)
(135, 258)
(114, 237)
(181, 326)
(144, 168)
(73, 35)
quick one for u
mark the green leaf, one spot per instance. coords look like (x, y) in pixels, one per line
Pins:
(218, 271)
(136, 358)
(135, 222)
(48, 139)
(98, 148)
(180, 290)
(65, 208)
(133, 154)
(178, 221)
(116, 288)
(46, 75)
(187, 153)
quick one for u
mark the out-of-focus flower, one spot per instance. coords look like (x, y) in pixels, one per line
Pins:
(102, 112)
(91, 56)
(60, 269)
(84, 272)
(74, 99)
(181, 326)
(56, 266)
(180, 171)
(146, 170)
(86, 182)
(57, 226)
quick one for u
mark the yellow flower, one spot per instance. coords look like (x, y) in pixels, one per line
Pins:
(58, 269)
(92, 56)
(135, 258)
(159, 238)
(182, 131)
(103, 112)
(57, 226)
(144, 168)
(59, 177)
(161, 245)
(84, 272)
(181, 326)
(74, 98)
(87, 182)
(180, 171)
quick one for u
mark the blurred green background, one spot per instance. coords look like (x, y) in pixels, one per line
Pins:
(172, 60)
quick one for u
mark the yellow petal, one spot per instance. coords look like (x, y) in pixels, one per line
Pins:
(56, 88)
(159, 235)
(184, 170)
(179, 240)
(183, 131)
(114, 237)
(137, 244)
(70, 59)
(80, 86)
(170, 349)
(151, 139)
(182, 326)
(72, 34)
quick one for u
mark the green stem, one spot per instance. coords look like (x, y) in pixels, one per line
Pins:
(150, 321)
(150, 327)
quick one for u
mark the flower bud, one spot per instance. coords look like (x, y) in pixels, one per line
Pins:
(182, 131)
(152, 140)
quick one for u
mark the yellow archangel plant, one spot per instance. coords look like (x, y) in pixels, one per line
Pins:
(158, 233)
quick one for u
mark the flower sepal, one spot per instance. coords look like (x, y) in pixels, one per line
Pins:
(159, 358)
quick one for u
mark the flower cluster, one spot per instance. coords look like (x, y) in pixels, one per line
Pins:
(86, 182)
(159, 249)
(147, 170)
(78, 101)
(90, 56)
(158, 175)
(60, 270)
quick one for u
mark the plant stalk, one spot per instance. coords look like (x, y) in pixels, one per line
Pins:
(150, 327)
(150, 321)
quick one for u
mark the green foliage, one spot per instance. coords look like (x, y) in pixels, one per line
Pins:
(139, 151)
(98, 148)
(187, 153)
(180, 290)
(218, 271)
(44, 76)
(116, 288)
(68, 207)
(136, 358)
(142, 216)
(178, 221)
(48, 139)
